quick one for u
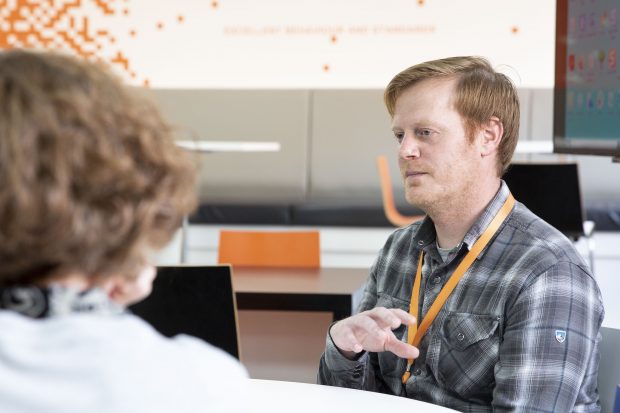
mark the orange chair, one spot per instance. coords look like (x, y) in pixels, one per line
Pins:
(389, 207)
(299, 249)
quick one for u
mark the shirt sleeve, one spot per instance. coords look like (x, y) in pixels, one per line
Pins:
(548, 358)
(337, 370)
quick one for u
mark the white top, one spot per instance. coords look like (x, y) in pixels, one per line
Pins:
(85, 362)
(286, 397)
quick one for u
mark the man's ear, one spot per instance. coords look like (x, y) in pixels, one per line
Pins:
(112, 285)
(491, 135)
(128, 290)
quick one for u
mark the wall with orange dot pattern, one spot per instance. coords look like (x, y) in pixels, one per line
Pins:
(283, 43)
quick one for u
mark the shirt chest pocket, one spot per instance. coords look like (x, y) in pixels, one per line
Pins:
(468, 354)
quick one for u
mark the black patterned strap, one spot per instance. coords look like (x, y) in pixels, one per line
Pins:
(36, 302)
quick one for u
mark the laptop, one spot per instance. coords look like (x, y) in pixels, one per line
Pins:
(195, 300)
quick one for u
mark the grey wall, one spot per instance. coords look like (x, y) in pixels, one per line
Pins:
(232, 115)
(330, 140)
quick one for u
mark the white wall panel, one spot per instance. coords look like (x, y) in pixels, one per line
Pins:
(289, 44)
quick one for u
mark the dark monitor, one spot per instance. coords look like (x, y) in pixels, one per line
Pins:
(551, 191)
(586, 93)
(194, 300)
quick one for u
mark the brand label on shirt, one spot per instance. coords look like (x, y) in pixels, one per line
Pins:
(560, 335)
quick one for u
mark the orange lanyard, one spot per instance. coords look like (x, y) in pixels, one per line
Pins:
(415, 333)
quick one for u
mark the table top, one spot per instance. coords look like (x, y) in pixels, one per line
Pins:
(229, 146)
(322, 280)
(281, 396)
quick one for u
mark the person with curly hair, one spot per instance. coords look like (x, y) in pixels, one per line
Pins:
(91, 185)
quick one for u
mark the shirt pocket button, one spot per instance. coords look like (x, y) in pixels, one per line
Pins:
(460, 336)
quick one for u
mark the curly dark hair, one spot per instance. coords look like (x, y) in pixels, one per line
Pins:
(90, 177)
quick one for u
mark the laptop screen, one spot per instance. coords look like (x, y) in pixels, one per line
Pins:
(193, 300)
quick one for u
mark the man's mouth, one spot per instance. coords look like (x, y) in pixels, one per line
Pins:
(414, 173)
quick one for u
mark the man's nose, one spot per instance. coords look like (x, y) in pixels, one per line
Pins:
(409, 147)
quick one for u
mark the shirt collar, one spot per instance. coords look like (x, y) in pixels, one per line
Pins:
(426, 235)
(486, 217)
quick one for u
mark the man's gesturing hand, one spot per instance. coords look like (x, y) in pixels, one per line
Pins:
(372, 331)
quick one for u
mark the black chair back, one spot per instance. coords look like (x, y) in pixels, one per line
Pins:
(609, 369)
(551, 191)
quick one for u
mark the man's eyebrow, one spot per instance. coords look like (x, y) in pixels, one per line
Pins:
(419, 123)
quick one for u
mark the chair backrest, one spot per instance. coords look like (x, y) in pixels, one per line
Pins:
(609, 368)
(551, 191)
(387, 195)
(194, 300)
(270, 248)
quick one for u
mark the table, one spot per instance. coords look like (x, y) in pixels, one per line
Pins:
(337, 290)
(286, 397)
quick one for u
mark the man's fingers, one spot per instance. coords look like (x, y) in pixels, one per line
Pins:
(391, 318)
(384, 318)
(372, 331)
(403, 316)
(404, 350)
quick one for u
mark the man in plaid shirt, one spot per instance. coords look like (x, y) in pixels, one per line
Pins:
(520, 332)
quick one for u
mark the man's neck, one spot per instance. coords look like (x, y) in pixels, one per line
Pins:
(453, 222)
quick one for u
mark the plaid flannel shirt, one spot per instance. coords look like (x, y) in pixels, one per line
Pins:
(519, 333)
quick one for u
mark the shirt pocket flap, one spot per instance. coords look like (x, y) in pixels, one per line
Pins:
(461, 330)
(388, 301)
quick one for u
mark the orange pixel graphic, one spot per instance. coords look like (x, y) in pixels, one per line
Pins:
(60, 25)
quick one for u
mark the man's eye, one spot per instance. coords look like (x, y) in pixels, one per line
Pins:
(399, 136)
(425, 133)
